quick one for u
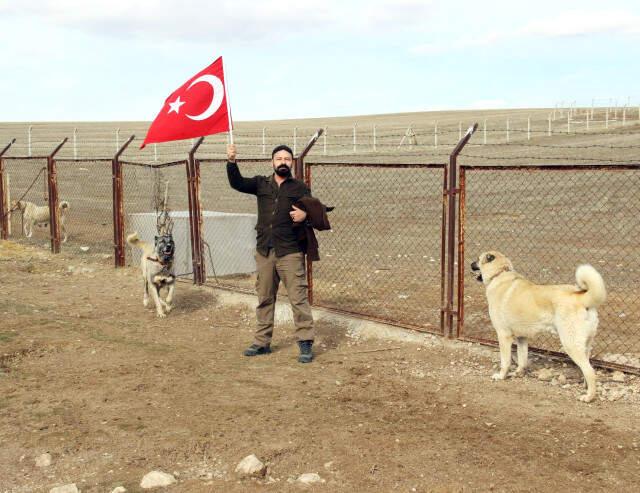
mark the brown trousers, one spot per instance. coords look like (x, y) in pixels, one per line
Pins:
(291, 270)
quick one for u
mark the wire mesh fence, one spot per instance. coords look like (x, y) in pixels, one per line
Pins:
(548, 220)
(229, 219)
(382, 258)
(142, 185)
(26, 181)
(86, 204)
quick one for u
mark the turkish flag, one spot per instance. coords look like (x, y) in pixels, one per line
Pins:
(196, 108)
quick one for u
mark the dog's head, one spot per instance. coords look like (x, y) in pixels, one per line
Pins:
(489, 265)
(165, 248)
(18, 205)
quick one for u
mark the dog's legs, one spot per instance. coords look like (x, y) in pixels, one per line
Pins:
(578, 350)
(64, 231)
(523, 353)
(505, 342)
(156, 299)
(145, 296)
(168, 305)
(28, 230)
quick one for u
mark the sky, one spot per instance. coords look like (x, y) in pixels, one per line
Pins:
(117, 60)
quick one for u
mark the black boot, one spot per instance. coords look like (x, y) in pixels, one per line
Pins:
(255, 350)
(306, 355)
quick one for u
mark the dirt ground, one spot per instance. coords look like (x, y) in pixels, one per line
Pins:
(112, 392)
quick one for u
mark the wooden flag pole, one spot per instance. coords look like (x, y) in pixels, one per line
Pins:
(228, 105)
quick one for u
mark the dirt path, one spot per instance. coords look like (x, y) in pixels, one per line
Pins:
(111, 392)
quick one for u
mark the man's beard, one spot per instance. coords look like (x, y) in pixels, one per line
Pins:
(283, 171)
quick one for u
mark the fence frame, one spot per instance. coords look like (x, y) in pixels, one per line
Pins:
(52, 189)
(4, 214)
(118, 205)
(309, 181)
(554, 168)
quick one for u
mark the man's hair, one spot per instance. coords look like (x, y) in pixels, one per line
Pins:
(281, 148)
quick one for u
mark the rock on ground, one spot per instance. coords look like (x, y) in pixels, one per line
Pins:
(155, 479)
(251, 466)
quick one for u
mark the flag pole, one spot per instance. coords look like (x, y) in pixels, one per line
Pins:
(228, 106)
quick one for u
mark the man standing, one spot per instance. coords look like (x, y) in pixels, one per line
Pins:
(278, 255)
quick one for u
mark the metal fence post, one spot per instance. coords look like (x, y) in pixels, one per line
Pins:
(54, 212)
(303, 172)
(5, 206)
(451, 194)
(195, 215)
(29, 139)
(118, 205)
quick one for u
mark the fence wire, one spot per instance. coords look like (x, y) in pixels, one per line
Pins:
(87, 188)
(549, 220)
(382, 258)
(26, 179)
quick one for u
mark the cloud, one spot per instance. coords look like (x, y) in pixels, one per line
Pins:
(568, 24)
(223, 20)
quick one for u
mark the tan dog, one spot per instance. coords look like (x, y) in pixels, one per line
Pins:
(520, 309)
(38, 215)
(157, 270)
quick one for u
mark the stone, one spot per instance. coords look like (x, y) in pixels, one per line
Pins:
(156, 479)
(251, 466)
(310, 478)
(67, 488)
(119, 489)
(545, 374)
(618, 376)
(43, 460)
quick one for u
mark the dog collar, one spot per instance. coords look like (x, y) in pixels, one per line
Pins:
(497, 274)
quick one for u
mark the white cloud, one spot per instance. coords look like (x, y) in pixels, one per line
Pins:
(223, 20)
(572, 23)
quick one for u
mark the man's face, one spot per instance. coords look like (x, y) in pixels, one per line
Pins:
(282, 162)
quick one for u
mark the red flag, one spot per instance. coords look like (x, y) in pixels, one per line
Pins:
(195, 109)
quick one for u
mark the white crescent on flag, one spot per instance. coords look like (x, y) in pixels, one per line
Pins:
(216, 101)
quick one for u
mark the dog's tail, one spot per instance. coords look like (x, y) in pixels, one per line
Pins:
(63, 205)
(591, 283)
(134, 240)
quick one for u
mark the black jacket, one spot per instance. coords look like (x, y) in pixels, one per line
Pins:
(274, 225)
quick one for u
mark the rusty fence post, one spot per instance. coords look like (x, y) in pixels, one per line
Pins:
(462, 209)
(304, 173)
(451, 193)
(118, 205)
(54, 213)
(195, 215)
(5, 207)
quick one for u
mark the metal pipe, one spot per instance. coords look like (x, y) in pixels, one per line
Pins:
(5, 206)
(195, 214)
(54, 213)
(461, 226)
(451, 193)
(309, 266)
(117, 187)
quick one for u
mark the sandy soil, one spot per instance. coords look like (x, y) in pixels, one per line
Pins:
(111, 392)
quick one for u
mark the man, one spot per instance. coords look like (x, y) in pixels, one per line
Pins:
(278, 255)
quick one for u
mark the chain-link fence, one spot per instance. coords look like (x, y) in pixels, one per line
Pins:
(26, 181)
(382, 258)
(548, 220)
(86, 206)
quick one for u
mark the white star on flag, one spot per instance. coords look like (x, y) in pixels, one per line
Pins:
(175, 106)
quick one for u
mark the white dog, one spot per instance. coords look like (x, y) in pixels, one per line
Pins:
(157, 270)
(38, 215)
(520, 309)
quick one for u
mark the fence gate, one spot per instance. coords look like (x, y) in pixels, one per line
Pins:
(548, 220)
(383, 258)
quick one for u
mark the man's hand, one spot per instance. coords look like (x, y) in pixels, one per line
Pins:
(298, 215)
(231, 153)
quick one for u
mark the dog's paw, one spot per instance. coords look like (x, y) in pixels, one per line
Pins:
(145, 303)
(497, 376)
(586, 398)
(162, 315)
(168, 308)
